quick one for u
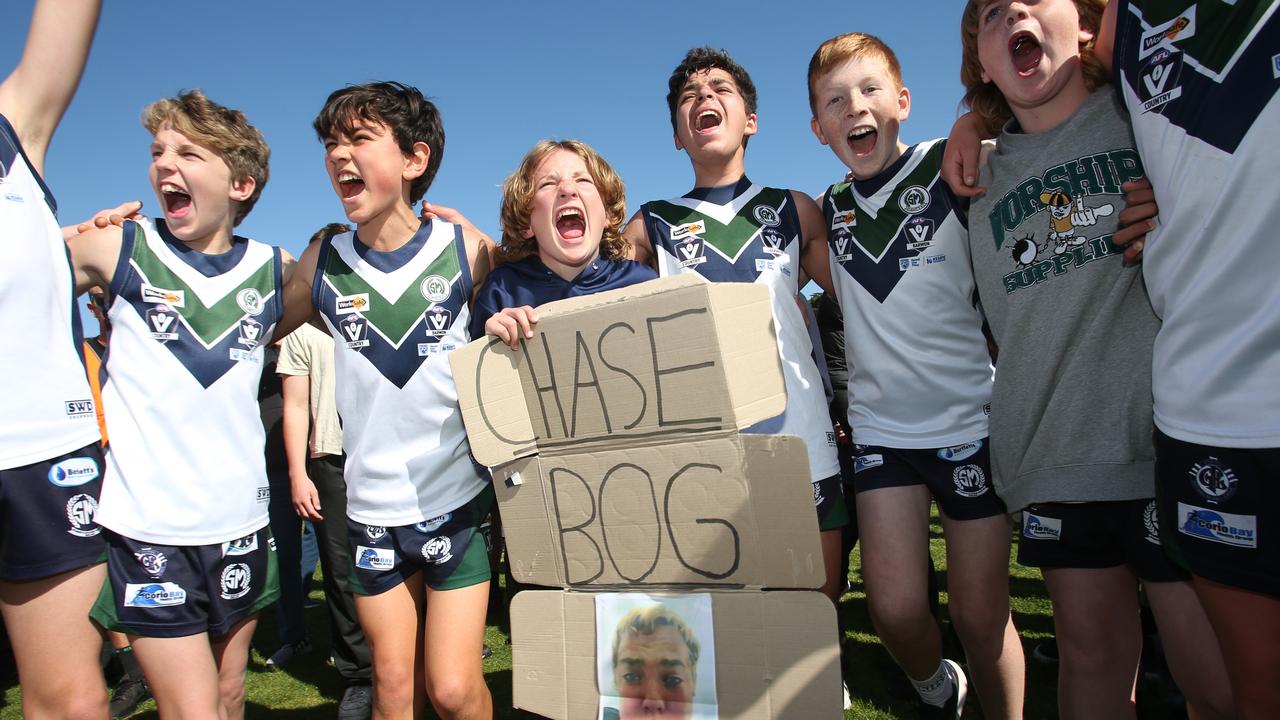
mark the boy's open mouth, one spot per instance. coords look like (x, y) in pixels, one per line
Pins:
(1026, 53)
(570, 224)
(707, 120)
(349, 185)
(863, 140)
(176, 200)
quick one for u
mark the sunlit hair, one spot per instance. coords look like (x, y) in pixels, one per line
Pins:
(646, 621)
(220, 129)
(984, 98)
(849, 46)
(409, 116)
(328, 231)
(704, 59)
(520, 187)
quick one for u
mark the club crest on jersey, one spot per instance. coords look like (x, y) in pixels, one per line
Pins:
(919, 233)
(235, 581)
(250, 332)
(842, 243)
(1158, 79)
(970, 481)
(914, 200)
(435, 288)
(355, 331)
(844, 219)
(436, 550)
(688, 230)
(163, 322)
(80, 511)
(348, 304)
(438, 320)
(1165, 34)
(766, 216)
(690, 252)
(160, 296)
(250, 301)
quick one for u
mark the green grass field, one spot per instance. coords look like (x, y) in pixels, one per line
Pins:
(309, 689)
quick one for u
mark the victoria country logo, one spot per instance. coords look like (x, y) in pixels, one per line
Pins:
(250, 332)
(690, 252)
(163, 322)
(438, 321)
(73, 471)
(355, 331)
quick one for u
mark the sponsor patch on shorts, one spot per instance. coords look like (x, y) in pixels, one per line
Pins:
(958, 453)
(154, 595)
(368, 558)
(1039, 527)
(866, 462)
(1217, 526)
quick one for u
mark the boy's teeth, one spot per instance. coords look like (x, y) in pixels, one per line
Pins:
(567, 212)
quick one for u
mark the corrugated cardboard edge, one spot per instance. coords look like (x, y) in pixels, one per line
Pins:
(777, 654)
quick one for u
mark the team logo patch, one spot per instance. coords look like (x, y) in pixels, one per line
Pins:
(775, 243)
(375, 532)
(160, 296)
(1151, 522)
(241, 546)
(163, 322)
(80, 511)
(347, 304)
(250, 332)
(1213, 480)
(355, 331)
(235, 581)
(919, 233)
(690, 252)
(78, 408)
(438, 321)
(73, 471)
(433, 524)
(688, 230)
(970, 481)
(154, 595)
(1158, 79)
(957, 453)
(766, 216)
(368, 558)
(152, 561)
(435, 288)
(1039, 527)
(1219, 527)
(914, 200)
(841, 243)
(866, 462)
(250, 301)
(436, 550)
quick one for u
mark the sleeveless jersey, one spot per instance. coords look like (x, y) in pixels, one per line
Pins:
(1199, 80)
(753, 237)
(919, 370)
(49, 410)
(394, 317)
(185, 464)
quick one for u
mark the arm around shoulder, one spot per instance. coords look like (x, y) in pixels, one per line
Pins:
(637, 237)
(94, 256)
(480, 253)
(814, 258)
(297, 277)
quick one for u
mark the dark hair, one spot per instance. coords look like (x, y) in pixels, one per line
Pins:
(411, 118)
(328, 231)
(700, 60)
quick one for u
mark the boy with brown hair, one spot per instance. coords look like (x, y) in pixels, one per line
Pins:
(189, 554)
(396, 295)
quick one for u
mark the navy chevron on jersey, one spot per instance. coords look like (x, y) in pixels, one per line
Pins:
(394, 317)
(919, 371)
(185, 465)
(49, 407)
(1199, 79)
(749, 233)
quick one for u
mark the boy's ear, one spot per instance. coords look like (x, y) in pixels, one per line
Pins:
(676, 137)
(751, 125)
(241, 189)
(526, 233)
(817, 130)
(904, 104)
(415, 163)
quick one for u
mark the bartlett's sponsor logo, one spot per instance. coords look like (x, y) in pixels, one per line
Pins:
(956, 453)
(1219, 527)
(154, 594)
(73, 471)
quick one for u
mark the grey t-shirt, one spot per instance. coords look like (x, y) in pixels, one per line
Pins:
(1071, 408)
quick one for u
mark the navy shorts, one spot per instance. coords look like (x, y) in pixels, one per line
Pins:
(958, 477)
(450, 551)
(1214, 505)
(46, 515)
(1096, 535)
(179, 590)
(828, 500)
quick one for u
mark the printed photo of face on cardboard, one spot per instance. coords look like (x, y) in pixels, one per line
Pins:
(655, 656)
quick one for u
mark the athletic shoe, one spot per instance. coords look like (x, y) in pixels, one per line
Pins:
(129, 694)
(357, 703)
(954, 706)
(848, 701)
(287, 651)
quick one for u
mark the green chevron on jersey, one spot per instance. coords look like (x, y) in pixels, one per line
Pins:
(728, 239)
(395, 319)
(1211, 33)
(876, 232)
(209, 323)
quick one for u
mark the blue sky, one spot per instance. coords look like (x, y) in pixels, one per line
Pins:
(504, 75)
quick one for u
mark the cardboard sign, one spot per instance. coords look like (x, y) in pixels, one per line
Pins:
(662, 359)
(776, 654)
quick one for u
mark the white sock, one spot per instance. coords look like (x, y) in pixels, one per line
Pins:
(935, 689)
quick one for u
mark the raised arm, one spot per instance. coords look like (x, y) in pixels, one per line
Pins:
(36, 94)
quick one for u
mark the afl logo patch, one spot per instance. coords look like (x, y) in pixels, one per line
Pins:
(435, 288)
(766, 216)
(914, 200)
